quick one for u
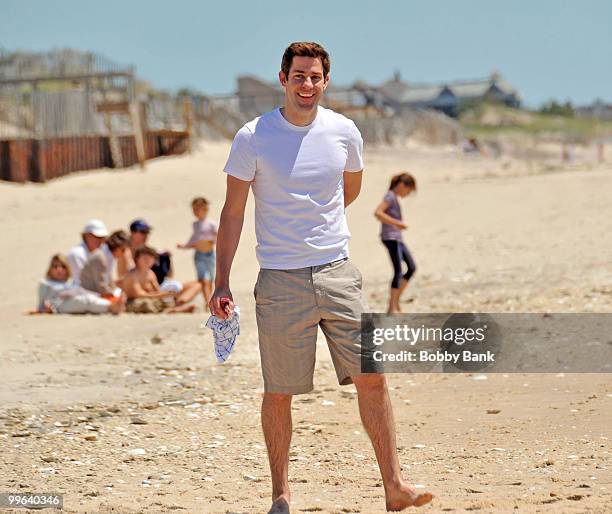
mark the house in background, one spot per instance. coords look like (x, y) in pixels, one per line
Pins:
(598, 109)
(448, 98)
(256, 96)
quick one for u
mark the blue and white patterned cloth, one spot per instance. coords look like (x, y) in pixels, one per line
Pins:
(225, 332)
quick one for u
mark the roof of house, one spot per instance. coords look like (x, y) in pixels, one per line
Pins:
(421, 93)
(403, 92)
(400, 91)
(255, 83)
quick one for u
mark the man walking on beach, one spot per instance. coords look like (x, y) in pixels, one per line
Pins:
(304, 165)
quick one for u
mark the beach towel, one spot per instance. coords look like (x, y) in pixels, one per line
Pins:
(225, 332)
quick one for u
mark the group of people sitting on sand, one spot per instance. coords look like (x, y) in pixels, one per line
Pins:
(82, 282)
(117, 272)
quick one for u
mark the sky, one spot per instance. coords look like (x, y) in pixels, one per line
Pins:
(546, 48)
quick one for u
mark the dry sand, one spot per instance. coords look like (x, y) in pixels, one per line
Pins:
(132, 413)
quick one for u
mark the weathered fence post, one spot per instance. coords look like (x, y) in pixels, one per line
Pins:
(113, 142)
(138, 135)
(5, 161)
(188, 116)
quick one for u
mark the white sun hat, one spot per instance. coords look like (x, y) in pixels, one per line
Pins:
(95, 227)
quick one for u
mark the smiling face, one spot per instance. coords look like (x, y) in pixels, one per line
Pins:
(304, 87)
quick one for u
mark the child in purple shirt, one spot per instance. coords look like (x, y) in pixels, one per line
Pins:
(390, 215)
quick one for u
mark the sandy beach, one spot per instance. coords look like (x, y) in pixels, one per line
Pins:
(133, 414)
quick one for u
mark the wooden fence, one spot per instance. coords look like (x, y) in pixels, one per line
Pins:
(39, 160)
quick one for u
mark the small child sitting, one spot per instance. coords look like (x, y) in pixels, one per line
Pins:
(142, 288)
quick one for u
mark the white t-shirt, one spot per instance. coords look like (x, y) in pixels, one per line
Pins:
(297, 182)
(77, 257)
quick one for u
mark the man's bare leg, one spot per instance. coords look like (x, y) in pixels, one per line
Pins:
(377, 418)
(276, 424)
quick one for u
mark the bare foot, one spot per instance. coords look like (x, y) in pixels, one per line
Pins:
(280, 506)
(117, 307)
(405, 497)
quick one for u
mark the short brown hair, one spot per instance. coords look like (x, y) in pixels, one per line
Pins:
(117, 239)
(199, 201)
(144, 250)
(405, 178)
(305, 49)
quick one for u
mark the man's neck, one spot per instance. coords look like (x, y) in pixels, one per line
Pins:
(297, 118)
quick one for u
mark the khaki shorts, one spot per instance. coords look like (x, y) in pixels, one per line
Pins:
(290, 306)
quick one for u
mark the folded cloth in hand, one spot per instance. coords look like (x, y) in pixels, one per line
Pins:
(225, 332)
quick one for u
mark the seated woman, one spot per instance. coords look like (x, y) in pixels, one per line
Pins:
(96, 275)
(58, 294)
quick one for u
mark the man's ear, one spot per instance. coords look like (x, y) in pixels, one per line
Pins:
(282, 78)
(326, 82)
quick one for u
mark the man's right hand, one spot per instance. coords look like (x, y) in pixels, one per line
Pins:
(232, 217)
(222, 303)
